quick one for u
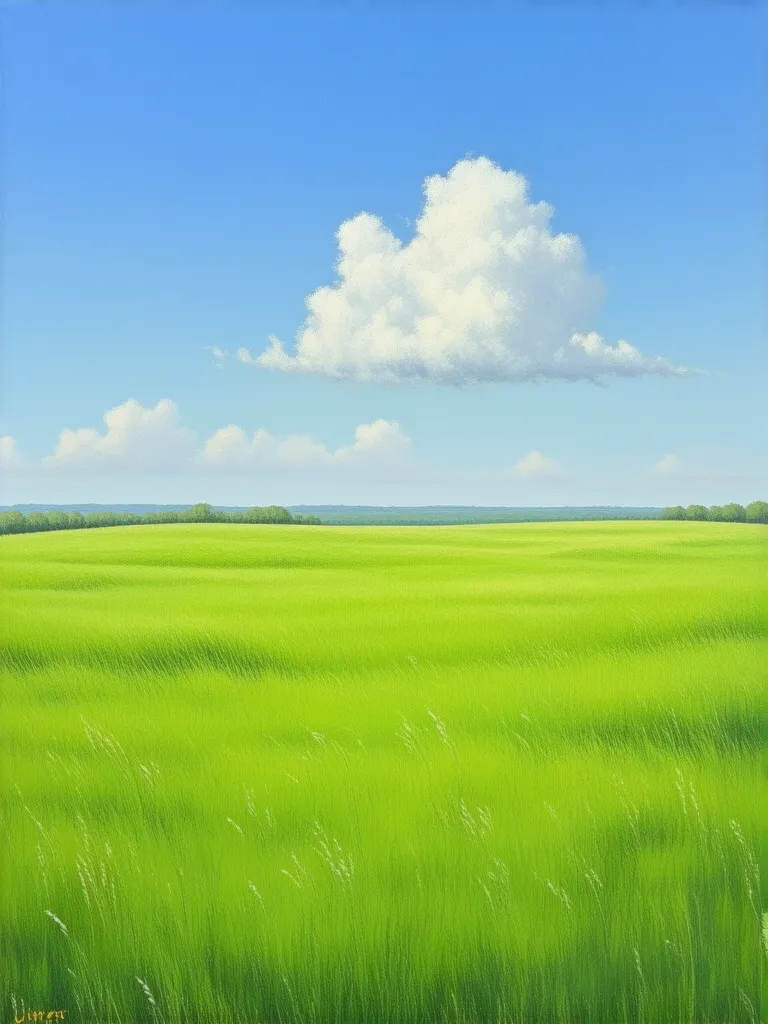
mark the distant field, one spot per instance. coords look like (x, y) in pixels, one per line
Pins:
(447, 515)
(350, 775)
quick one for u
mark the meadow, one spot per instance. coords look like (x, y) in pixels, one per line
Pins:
(504, 773)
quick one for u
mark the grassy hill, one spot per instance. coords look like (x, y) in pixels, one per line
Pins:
(482, 773)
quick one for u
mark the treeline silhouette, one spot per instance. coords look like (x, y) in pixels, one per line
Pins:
(756, 512)
(36, 522)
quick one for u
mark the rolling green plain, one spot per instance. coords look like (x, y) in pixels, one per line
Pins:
(379, 774)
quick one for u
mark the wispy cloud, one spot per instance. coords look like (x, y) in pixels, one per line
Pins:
(9, 455)
(534, 464)
(668, 465)
(218, 355)
(244, 356)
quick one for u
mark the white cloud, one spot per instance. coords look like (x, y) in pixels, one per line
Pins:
(375, 444)
(151, 441)
(219, 355)
(669, 465)
(534, 464)
(144, 454)
(9, 455)
(137, 439)
(383, 439)
(244, 356)
(483, 292)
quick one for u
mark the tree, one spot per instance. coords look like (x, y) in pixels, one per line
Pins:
(94, 520)
(257, 514)
(734, 513)
(12, 522)
(715, 514)
(15, 522)
(270, 514)
(160, 517)
(58, 520)
(37, 521)
(200, 513)
(757, 512)
(673, 512)
(127, 519)
(697, 512)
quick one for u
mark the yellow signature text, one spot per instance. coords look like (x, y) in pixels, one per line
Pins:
(34, 1016)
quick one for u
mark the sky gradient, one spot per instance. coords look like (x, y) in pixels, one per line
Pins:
(173, 186)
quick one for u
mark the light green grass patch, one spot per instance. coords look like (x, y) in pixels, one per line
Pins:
(478, 773)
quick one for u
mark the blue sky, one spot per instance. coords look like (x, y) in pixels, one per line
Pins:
(173, 185)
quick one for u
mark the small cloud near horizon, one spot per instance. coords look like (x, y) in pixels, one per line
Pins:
(9, 455)
(668, 465)
(382, 441)
(534, 464)
(138, 443)
(136, 438)
(152, 440)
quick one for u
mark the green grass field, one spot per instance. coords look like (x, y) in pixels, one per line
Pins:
(349, 775)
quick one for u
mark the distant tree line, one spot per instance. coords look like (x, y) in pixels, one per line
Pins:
(756, 512)
(35, 522)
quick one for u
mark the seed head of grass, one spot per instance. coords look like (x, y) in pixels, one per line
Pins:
(146, 990)
(58, 921)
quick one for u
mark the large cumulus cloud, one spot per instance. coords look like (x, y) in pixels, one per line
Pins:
(484, 291)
